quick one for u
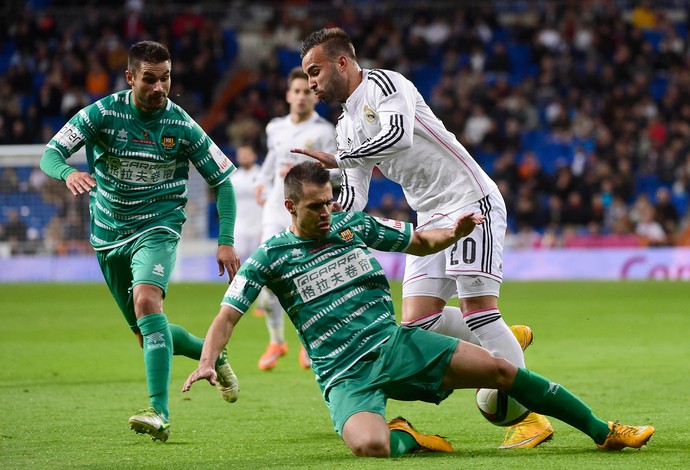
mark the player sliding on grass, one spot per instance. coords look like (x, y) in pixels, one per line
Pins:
(386, 124)
(338, 298)
(139, 146)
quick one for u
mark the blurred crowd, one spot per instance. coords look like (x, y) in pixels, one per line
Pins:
(580, 110)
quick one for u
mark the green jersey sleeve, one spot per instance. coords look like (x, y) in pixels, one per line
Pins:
(386, 234)
(245, 287)
(227, 211)
(208, 158)
(81, 129)
(54, 164)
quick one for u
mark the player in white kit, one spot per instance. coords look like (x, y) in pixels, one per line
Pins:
(303, 128)
(386, 123)
(245, 179)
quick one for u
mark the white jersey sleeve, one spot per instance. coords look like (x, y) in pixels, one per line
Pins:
(354, 188)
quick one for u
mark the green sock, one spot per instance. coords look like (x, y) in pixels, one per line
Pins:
(549, 398)
(402, 443)
(185, 343)
(158, 349)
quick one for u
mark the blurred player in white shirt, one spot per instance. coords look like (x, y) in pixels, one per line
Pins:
(245, 179)
(386, 124)
(302, 128)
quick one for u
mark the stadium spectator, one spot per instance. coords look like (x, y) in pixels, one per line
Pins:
(187, 21)
(73, 100)
(97, 81)
(531, 174)
(477, 126)
(15, 232)
(576, 211)
(19, 134)
(398, 134)
(50, 95)
(133, 24)
(349, 360)
(141, 174)
(643, 15)
(527, 209)
(9, 181)
(498, 61)
(666, 213)
(651, 231)
(244, 129)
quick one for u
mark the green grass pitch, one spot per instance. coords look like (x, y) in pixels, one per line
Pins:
(71, 375)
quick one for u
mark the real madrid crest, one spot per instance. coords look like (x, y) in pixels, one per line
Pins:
(369, 114)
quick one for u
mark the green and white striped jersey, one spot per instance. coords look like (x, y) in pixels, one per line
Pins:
(140, 161)
(333, 289)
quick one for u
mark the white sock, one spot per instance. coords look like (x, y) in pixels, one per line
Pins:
(275, 321)
(494, 335)
(447, 322)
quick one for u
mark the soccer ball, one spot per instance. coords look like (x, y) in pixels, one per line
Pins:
(498, 408)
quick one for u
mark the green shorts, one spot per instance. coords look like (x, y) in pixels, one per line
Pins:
(148, 259)
(409, 366)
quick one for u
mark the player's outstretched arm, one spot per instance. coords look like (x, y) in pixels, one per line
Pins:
(326, 159)
(216, 339)
(432, 241)
(464, 225)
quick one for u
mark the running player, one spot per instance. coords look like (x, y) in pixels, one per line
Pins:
(139, 145)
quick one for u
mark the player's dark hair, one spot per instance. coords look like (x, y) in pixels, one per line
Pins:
(296, 73)
(146, 51)
(334, 41)
(301, 174)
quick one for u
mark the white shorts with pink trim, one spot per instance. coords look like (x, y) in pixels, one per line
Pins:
(471, 267)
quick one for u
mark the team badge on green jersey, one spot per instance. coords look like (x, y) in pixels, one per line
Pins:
(347, 235)
(168, 142)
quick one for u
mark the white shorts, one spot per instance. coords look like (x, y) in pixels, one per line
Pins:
(472, 267)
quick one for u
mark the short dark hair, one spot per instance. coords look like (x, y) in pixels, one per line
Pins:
(301, 174)
(146, 51)
(296, 73)
(334, 41)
